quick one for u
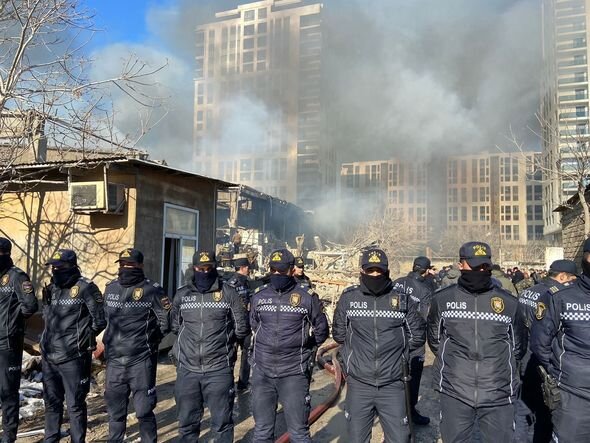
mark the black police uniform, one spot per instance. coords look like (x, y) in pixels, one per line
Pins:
(287, 325)
(377, 332)
(478, 340)
(241, 285)
(73, 316)
(208, 325)
(137, 320)
(533, 303)
(17, 302)
(420, 291)
(561, 342)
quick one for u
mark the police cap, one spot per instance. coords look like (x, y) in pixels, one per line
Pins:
(299, 262)
(203, 258)
(422, 262)
(374, 258)
(63, 257)
(130, 255)
(564, 266)
(281, 260)
(5, 245)
(476, 253)
(240, 260)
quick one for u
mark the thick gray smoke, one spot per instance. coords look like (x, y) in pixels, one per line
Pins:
(402, 78)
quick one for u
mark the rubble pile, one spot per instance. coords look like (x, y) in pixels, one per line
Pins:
(31, 387)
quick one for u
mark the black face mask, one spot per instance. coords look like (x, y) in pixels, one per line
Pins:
(66, 278)
(204, 280)
(476, 281)
(376, 284)
(131, 276)
(5, 262)
(281, 282)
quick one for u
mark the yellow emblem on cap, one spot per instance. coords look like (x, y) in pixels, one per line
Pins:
(137, 293)
(374, 257)
(497, 304)
(74, 291)
(217, 296)
(126, 253)
(56, 256)
(295, 300)
(394, 302)
(540, 311)
(204, 257)
(277, 256)
(480, 250)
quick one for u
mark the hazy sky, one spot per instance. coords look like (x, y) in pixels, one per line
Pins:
(407, 78)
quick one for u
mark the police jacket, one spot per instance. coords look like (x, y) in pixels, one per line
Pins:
(286, 327)
(561, 338)
(17, 302)
(73, 318)
(207, 325)
(478, 341)
(375, 332)
(137, 320)
(240, 283)
(417, 288)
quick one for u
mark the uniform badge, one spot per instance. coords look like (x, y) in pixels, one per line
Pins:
(166, 303)
(295, 300)
(375, 257)
(497, 304)
(137, 293)
(126, 253)
(554, 289)
(74, 291)
(204, 257)
(27, 287)
(277, 256)
(217, 296)
(394, 302)
(480, 250)
(56, 256)
(540, 311)
(5, 279)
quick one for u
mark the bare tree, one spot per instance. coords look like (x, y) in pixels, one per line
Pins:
(48, 96)
(571, 163)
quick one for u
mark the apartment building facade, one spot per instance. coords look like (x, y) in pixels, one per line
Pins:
(564, 102)
(258, 100)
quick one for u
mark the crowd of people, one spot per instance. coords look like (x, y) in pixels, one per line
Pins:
(510, 357)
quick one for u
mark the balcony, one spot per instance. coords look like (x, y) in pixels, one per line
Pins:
(573, 133)
(570, 80)
(571, 28)
(570, 46)
(572, 115)
(570, 12)
(572, 63)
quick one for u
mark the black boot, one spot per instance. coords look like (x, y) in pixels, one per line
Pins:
(418, 419)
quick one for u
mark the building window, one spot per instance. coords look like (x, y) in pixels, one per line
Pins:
(249, 15)
(262, 13)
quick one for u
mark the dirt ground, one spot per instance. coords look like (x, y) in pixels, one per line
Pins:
(330, 428)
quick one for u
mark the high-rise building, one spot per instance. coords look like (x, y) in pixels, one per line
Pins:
(496, 195)
(564, 101)
(258, 100)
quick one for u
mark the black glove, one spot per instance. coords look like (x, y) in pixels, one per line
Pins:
(173, 358)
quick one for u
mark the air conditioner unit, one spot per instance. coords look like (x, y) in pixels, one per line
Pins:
(91, 197)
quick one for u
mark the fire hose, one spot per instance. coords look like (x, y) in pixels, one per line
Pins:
(333, 367)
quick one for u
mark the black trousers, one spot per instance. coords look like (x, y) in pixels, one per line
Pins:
(416, 369)
(72, 381)
(495, 423)
(532, 395)
(571, 420)
(364, 402)
(10, 371)
(244, 362)
(293, 393)
(139, 380)
(192, 391)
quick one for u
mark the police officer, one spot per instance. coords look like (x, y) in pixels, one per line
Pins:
(560, 340)
(208, 319)
(74, 316)
(478, 340)
(299, 272)
(377, 327)
(420, 291)
(136, 310)
(17, 302)
(240, 283)
(288, 322)
(533, 302)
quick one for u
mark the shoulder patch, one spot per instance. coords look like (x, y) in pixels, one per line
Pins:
(260, 288)
(166, 303)
(351, 288)
(497, 304)
(553, 289)
(27, 287)
(74, 291)
(540, 311)
(5, 280)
